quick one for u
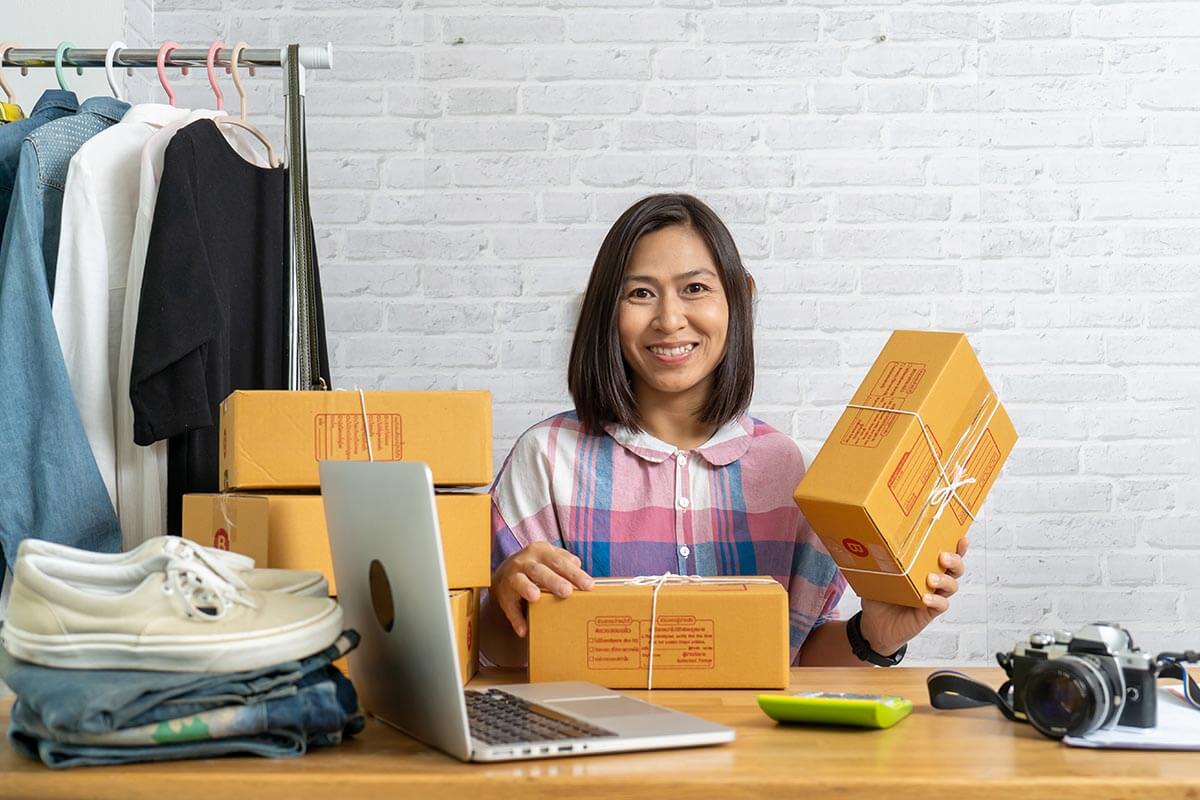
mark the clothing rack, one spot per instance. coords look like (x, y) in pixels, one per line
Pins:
(307, 57)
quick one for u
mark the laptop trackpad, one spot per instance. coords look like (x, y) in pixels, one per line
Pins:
(606, 707)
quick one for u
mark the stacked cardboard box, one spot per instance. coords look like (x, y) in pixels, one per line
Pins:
(270, 505)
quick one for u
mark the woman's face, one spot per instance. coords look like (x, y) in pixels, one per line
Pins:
(673, 317)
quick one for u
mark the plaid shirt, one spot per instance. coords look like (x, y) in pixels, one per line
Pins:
(629, 504)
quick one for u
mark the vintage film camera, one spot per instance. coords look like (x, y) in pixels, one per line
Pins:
(1068, 685)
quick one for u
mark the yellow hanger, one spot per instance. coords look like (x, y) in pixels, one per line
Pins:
(241, 122)
(9, 111)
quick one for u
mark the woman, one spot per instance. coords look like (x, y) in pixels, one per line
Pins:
(659, 468)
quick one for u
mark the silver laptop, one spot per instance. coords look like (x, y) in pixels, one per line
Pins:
(391, 581)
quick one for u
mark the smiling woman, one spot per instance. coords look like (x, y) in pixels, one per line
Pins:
(659, 468)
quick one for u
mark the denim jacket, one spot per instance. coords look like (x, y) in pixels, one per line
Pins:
(52, 105)
(50, 486)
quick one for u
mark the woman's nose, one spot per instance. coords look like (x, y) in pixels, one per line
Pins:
(670, 315)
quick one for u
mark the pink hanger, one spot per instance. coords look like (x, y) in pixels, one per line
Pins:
(212, 76)
(163, 52)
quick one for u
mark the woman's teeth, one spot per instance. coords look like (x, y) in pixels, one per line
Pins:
(672, 351)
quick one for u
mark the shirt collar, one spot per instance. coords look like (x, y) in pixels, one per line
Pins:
(108, 107)
(55, 98)
(154, 114)
(729, 443)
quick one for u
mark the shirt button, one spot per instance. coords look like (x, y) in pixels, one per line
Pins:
(683, 502)
(685, 551)
(681, 459)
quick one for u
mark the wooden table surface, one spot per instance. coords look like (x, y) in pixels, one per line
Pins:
(958, 754)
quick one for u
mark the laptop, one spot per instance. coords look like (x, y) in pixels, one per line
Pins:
(391, 582)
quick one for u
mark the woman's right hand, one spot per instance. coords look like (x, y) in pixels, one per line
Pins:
(524, 574)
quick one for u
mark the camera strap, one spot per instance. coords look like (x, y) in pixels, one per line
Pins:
(949, 690)
(1171, 665)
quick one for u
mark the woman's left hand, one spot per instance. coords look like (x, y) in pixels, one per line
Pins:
(888, 627)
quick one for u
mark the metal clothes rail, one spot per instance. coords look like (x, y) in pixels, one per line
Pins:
(300, 316)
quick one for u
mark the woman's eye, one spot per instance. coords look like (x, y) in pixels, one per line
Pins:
(640, 294)
(696, 288)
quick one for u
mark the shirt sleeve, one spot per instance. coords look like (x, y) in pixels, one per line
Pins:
(522, 500)
(168, 385)
(815, 587)
(81, 310)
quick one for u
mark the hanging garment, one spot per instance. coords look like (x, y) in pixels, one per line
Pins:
(213, 304)
(52, 105)
(142, 471)
(10, 112)
(99, 205)
(50, 487)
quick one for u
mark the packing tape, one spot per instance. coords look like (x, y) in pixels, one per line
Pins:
(940, 496)
(658, 581)
(362, 400)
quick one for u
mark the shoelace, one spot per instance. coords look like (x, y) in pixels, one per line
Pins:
(205, 590)
(186, 548)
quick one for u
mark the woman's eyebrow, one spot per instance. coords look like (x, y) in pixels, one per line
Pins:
(642, 278)
(696, 273)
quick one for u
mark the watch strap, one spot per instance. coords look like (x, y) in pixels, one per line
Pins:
(862, 648)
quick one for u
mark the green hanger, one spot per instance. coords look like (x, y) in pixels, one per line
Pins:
(59, 51)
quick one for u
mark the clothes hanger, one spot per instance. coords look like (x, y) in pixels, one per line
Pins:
(113, 49)
(9, 111)
(237, 84)
(163, 52)
(59, 52)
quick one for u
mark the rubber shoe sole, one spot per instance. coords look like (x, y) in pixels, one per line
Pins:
(216, 653)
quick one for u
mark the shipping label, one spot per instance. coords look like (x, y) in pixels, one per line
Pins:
(899, 381)
(680, 642)
(981, 466)
(912, 478)
(340, 437)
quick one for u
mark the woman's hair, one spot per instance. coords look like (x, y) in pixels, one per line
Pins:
(598, 377)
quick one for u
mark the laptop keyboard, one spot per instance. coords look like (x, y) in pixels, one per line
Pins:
(497, 717)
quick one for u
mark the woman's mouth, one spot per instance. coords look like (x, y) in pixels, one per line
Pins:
(672, 355)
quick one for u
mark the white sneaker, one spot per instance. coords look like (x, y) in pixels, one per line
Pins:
(178, 616)
(288, 581)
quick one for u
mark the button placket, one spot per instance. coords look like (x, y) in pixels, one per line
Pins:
(682, 505)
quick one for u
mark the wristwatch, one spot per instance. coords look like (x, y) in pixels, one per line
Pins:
(862, 648)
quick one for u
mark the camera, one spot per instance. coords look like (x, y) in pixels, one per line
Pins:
(1071, 685)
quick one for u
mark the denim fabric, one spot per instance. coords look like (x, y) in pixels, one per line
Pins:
(99, 701)
(322, 710)
(50, 486)
(53, 104)
(70, 718)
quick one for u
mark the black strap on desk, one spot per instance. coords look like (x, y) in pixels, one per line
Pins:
(949, 689)
(1170, 665)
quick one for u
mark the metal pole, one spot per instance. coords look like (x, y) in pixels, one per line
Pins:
(310, 57)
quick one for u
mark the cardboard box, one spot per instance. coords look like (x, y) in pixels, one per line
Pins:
(274, 440)
(228, 522)
(875, 493)
(464, 608)
(716, 635)
(288, 531)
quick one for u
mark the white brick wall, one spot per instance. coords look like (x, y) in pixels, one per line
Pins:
(1022, 171)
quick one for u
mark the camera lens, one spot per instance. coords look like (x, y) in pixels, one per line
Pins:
(1067, 696)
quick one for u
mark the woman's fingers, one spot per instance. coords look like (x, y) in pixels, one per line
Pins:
(945, 585)
(568, 566)
(548, 579)
(952, 564)
(509, 597)
(937, 603)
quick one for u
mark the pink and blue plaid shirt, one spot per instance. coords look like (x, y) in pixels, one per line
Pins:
(629, 504)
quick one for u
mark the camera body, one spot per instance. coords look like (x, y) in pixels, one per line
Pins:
(1066, 684)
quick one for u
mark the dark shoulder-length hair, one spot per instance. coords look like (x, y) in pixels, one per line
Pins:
(598, 377)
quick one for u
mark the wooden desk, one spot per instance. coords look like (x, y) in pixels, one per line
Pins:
(931, 755)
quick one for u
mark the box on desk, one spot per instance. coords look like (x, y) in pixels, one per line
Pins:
(464, 609)
(720, 633)
(879, 492)
(287, 531)
(274, 440)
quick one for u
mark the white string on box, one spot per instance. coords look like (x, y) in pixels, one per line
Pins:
(658, 581)
(939, 496)
(362, 400)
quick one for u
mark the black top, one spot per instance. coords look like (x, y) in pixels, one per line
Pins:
(214, 302)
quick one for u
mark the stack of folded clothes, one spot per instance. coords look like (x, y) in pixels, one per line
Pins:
(171, 651)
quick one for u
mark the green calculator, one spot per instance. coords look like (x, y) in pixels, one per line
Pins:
(836, 708)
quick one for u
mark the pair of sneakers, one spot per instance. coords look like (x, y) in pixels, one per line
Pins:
(170, 604)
